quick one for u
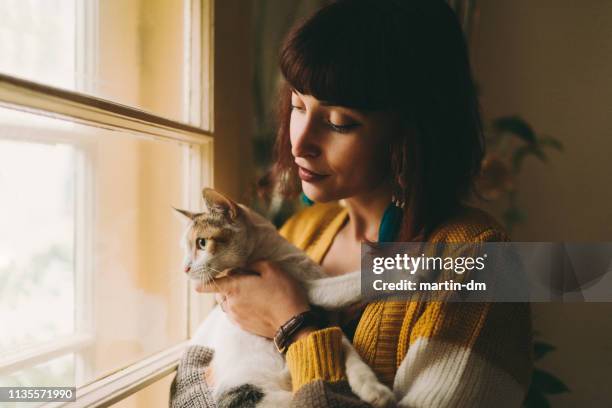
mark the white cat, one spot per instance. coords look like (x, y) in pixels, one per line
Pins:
(229, 235)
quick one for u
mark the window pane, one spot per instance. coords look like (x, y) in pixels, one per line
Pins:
(89, 244)
(129, 51)
(58, 372)
(37, 40)
(36, 242)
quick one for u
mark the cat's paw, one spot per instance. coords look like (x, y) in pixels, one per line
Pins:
(376, 394)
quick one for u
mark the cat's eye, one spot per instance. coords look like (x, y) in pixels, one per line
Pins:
(200, 243)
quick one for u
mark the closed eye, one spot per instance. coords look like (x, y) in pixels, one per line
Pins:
(333, 126)
(342, 128)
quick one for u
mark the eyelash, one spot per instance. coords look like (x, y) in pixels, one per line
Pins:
(335, 128)
(340, 129)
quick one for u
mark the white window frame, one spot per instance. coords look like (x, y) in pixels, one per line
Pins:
(23, 95)
(83, 331)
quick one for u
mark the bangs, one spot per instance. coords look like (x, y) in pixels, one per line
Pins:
(341, 57)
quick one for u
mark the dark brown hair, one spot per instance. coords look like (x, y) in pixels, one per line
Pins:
(406, 55)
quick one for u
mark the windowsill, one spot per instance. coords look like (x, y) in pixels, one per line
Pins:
(43, 352)
(127, 381)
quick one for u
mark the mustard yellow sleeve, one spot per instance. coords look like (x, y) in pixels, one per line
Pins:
(318, 356)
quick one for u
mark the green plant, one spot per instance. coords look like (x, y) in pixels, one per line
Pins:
(542, 382)
(510, 140)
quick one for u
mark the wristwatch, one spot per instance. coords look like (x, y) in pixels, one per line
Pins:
(284, 335)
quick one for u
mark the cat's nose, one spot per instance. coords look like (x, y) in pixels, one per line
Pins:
(187, 269)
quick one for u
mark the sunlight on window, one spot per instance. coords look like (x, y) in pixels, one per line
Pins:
(114, 49)
(90, 257)
(38, 40)
(58, 372)
(36, 242)
(91, 278)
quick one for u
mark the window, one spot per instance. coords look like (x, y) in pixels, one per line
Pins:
(133, 52)
(100, 135)
(38, 41)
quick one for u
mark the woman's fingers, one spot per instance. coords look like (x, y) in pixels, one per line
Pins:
(258, 299)
(209, 376)
(218, 285)
(226, 283)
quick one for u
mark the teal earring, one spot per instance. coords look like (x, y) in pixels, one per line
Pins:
(391, 221)
(306, 200)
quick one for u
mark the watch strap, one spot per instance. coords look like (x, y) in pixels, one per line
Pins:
(284, 335)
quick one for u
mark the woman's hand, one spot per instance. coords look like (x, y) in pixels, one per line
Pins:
(259, 299)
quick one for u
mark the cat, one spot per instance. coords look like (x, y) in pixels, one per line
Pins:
(230, 235)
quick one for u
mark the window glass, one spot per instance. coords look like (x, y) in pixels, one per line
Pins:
(90, 256)
(133, 52)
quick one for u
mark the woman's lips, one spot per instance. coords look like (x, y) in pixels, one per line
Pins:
(310, 176)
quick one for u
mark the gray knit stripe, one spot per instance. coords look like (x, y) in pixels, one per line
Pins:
(189, 389)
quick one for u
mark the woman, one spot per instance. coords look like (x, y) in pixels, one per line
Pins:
(379, 109)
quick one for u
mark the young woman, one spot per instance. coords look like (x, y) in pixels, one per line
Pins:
(379, 110)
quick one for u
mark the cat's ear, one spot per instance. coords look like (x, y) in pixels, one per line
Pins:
(186, 213)
(215, 201)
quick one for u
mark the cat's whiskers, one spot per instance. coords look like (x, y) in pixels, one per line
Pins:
(204, 274)
(206, 279)
(213, 269)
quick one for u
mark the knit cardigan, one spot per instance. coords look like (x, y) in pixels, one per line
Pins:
(433, 354)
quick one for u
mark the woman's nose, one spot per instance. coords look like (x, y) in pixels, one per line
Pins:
(305, 143)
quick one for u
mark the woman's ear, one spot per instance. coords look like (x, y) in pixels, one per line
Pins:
(217, 202)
